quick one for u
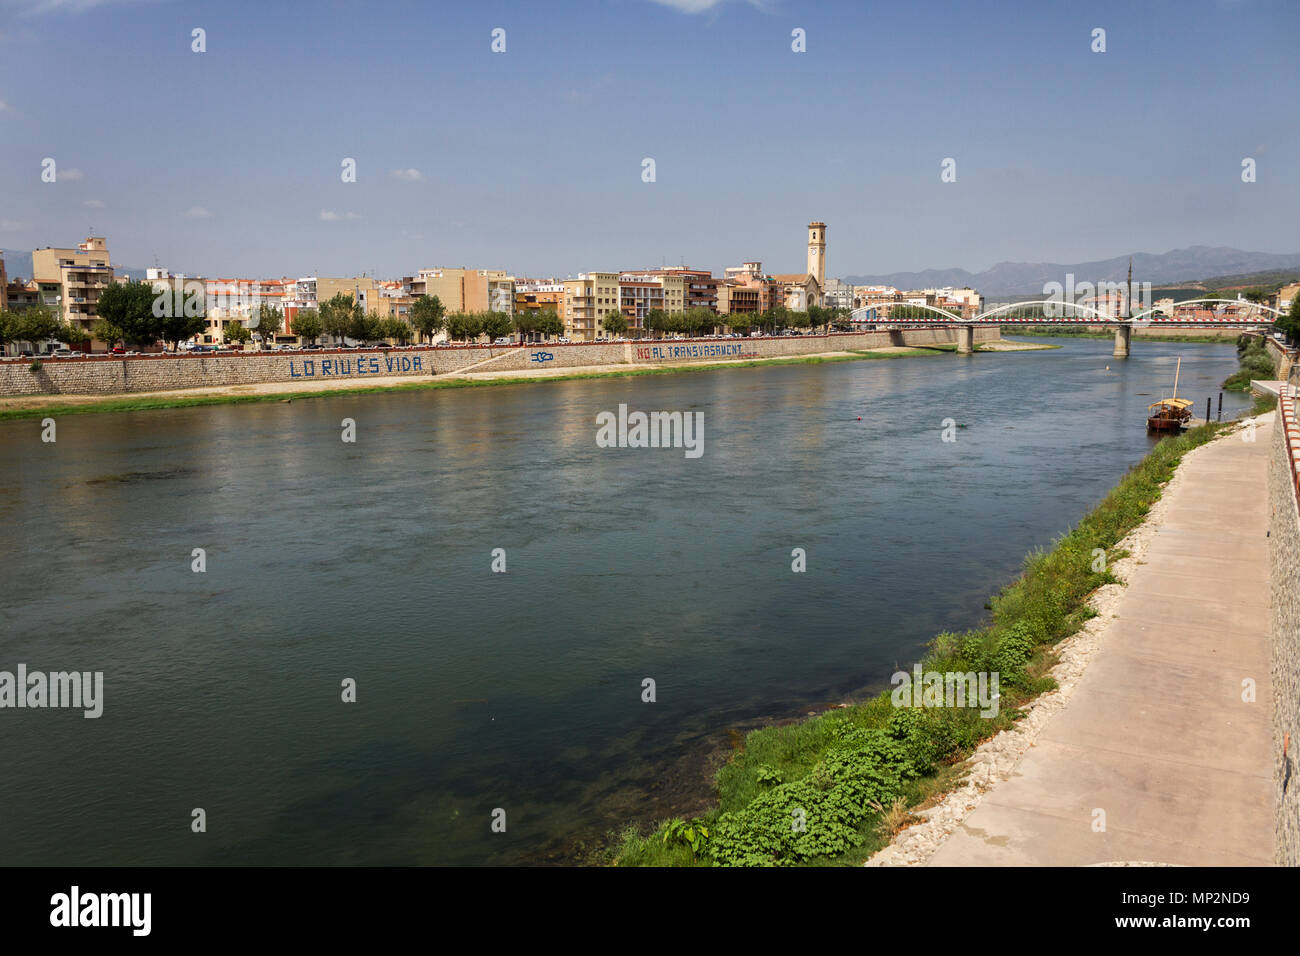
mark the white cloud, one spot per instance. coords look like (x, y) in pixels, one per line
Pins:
(700, 6)
(72, 174)
(95, 203)
(197, 212)
(328, 215)
(407, 175)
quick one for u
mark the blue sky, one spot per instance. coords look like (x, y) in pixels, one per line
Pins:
(228, 162)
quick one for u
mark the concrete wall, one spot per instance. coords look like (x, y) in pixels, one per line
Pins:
(104, 375)
(1284, 563)
(1282, 360)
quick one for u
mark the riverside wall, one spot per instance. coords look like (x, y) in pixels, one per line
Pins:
(1284, 564)
(109, 375)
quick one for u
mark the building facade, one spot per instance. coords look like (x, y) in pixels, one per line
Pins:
(81, 274)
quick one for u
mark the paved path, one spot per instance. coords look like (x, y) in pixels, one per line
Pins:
(1156, 733)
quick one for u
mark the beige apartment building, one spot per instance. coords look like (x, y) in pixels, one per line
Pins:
(4, 284)
(587, 300)
(466, 290)
(82, 274)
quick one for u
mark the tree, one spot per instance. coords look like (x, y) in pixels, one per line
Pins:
(179, 328)
(336, 315)
(107, 332)
(615, 322)
(307, 324)
(497, 324)
(235, 332)
(395, 328)
(38, 324)
(525, 323)
(428, 315)
(8, 329)
(137, 310)
(656, 321)
(464, 326)
(549, 323)
(270, 322)
(818, 317)
(1289, 324)
(365, 326)
(740, 322)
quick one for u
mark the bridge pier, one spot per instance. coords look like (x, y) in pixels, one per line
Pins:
(1123, 337)
(965, 339)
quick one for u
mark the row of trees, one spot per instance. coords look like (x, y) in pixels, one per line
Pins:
(36, 325)
(129, 312)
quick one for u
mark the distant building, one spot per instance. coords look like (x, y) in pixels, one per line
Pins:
(1286, 295)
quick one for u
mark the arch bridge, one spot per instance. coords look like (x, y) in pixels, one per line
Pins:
(1207, 312)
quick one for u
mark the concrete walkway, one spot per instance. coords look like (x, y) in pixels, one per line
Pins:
(1156, 734)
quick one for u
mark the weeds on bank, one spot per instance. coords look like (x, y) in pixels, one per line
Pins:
(1256, 363)
(853, 775)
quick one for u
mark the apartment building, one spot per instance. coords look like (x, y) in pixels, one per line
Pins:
(587, 300)
(736, 298)
(4, 286)
(699, 288)
(465, 290)
(837, 294)
(750, 276)
(538, 295)
(81, 273)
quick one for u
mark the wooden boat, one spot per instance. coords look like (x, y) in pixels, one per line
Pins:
(1170, 414)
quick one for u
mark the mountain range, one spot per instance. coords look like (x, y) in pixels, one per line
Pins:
(18, 263)
(1029, 278)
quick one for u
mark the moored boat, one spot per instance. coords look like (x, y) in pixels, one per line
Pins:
(1170, 414)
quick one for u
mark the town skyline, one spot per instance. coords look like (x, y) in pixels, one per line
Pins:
(527, 158)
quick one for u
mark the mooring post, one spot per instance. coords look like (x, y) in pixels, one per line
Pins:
(1220, 416)
(1207, 409)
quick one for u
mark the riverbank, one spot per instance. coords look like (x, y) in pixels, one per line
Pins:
(31, 406)
(856, 775)
(1185, 784)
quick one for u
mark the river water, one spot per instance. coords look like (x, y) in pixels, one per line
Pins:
(372, 561)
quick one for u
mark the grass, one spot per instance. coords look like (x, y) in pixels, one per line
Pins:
(147, 403)
(858, 772)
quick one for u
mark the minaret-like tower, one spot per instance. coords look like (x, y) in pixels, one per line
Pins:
(817, 253)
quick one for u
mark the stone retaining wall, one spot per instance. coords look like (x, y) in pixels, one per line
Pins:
(1284, 564)
(105, 375)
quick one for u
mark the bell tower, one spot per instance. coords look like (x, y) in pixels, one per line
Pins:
(817, 253)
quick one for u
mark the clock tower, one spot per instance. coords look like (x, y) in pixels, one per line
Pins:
(817, 253)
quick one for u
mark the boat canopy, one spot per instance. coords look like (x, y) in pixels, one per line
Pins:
(1179, 403)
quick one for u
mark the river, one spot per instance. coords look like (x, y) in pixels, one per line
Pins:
(371, 561)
